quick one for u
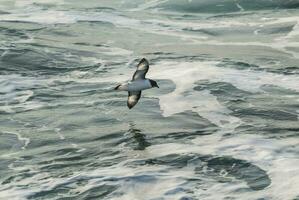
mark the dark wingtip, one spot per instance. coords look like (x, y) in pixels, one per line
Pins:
(116, 88)
(143, 60)
(129, 106)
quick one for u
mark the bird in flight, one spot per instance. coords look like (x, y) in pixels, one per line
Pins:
(137, 84)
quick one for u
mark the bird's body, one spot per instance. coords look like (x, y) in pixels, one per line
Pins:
(138, 83)
(134, 86)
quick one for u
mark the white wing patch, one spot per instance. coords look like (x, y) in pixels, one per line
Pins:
(133, 98)
(143, 65)
(142, 69)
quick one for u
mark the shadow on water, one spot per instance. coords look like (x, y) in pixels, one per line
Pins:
(221, 169)
(137, 139)
(255, 177)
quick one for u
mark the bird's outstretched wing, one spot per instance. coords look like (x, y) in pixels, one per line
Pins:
(141, 70)
(133, 98)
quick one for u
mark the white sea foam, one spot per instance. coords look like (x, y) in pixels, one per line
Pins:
(80, 149)
(15, 81)
(186, 74)
(43, 17)
(278, 158)
(281, 43)
(32, 105)
(271, 155)
(68, 17)
(240, 7)
(165, 26)
(268, 154)
(148, 4)
(22, 139)
(275, 156)
(115, 51)
(16, 92)
(58, 132)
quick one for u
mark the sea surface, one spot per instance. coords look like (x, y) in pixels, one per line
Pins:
(224, 123)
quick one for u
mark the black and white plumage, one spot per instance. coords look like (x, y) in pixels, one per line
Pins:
(142, 69)
(133, 98)
(137, 84)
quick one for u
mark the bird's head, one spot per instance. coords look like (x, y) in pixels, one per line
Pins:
(153, 83)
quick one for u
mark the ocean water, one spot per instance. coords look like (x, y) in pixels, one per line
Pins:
(224, 123)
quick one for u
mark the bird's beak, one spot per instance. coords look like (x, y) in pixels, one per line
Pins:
(157, 86)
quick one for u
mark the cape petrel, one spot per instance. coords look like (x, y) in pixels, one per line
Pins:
(137, 84)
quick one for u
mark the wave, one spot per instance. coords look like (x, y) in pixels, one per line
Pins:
(216, 6)
(185, 75)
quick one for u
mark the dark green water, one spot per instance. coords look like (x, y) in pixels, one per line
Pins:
(222, 125)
